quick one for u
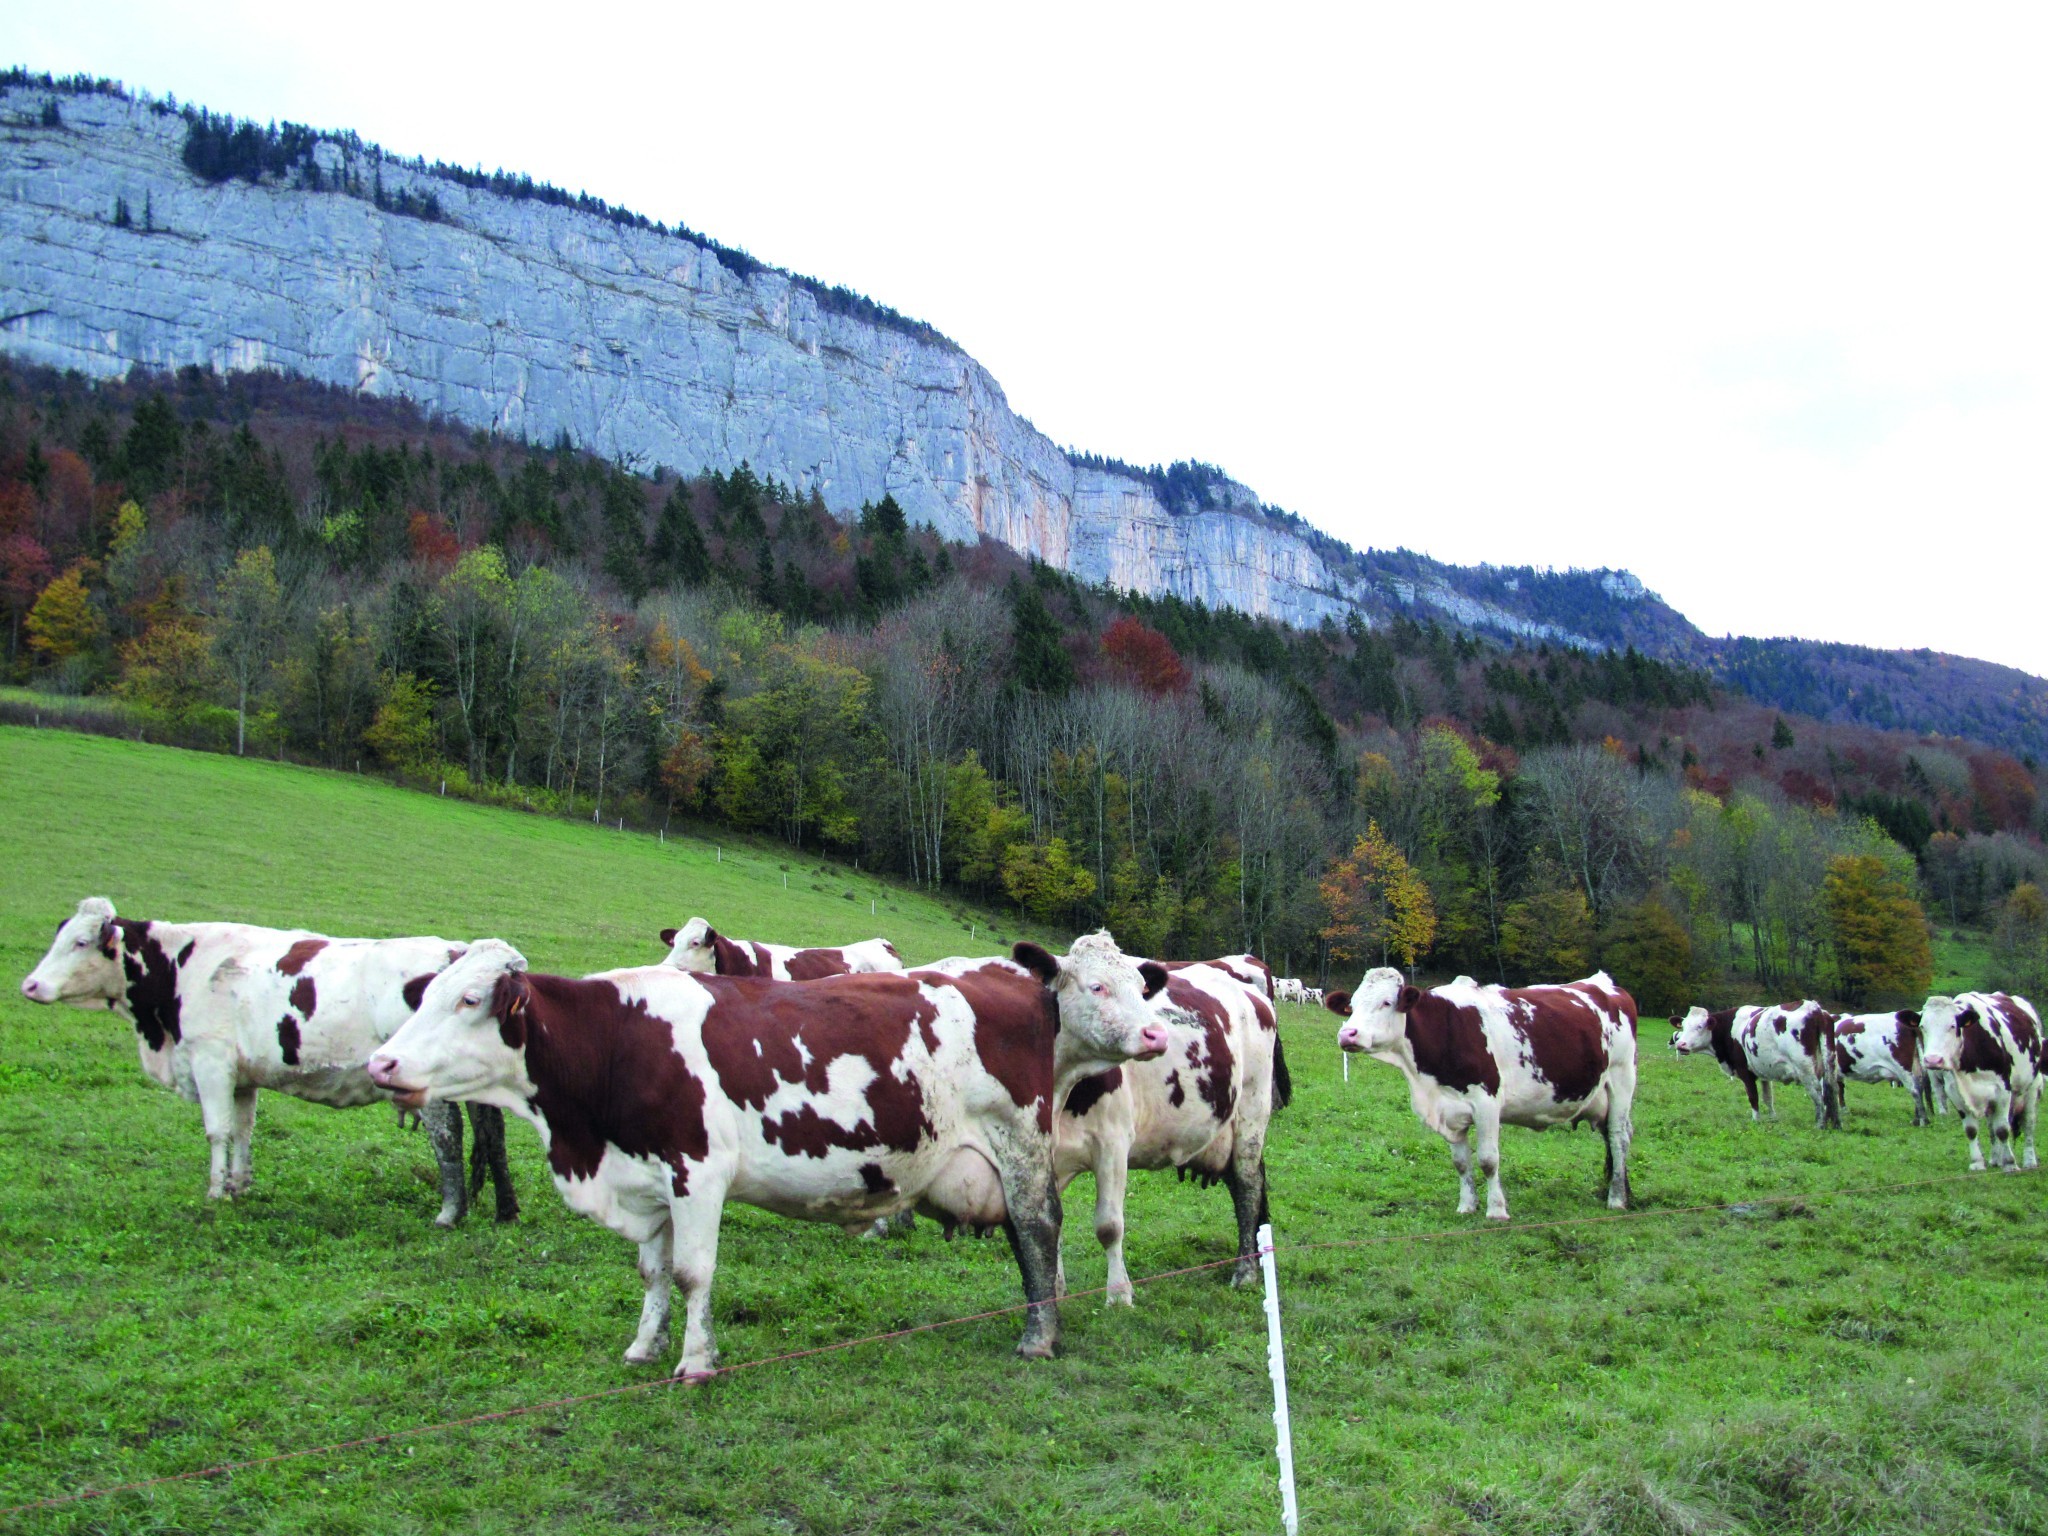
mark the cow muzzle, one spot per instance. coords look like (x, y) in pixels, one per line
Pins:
(1348, 1039)
(1935, 1062)
(1152, 1042)
(32, 989)
(383, 1072)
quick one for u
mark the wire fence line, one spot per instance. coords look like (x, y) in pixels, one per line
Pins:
(1445, 1234)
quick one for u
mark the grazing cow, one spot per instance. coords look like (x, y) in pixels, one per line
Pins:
(661, 1094)
(697, 946)
(1760, 1046)
(1477, 1058)
(1289, 989)
(1991, 1043)
(1884, 1048)
(1202, 1109)
(223, 1009)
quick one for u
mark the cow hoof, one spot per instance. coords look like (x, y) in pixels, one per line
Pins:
(635, 1355)
(449, 1216)
(1244, 1275)
(1121, 1296)
(508, 1212)
(694, 1378)
(1496, 1215)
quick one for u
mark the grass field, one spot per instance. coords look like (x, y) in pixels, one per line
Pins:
(1869, 1363)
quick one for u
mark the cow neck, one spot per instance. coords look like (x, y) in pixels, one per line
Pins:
(1721, 1036)
(149, 991)
(569, 1055)
(731, 959)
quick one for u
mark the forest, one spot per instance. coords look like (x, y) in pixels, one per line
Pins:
(262, 565)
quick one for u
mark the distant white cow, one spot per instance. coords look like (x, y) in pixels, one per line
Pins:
(1992, 1043)
(1885, 1048)
(702, 949)
(223, 1009)
(1760, 1046)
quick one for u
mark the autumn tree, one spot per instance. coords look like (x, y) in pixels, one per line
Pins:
(1878, 931)
(248, 627)
(65, 622)
(1374, 901)
(2019, 942)
(1145, 654)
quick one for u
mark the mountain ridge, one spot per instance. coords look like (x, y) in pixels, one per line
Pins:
(518, 307)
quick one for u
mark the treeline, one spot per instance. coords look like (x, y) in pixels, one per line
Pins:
(266, 565)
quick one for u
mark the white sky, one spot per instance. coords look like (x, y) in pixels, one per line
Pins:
(1746, 298)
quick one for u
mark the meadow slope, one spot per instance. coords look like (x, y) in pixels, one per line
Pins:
(1860, 1363)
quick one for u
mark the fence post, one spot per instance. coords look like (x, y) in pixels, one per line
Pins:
(1276, 1364)
(718, 855)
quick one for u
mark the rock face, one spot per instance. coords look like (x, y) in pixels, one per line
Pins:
(534, 319)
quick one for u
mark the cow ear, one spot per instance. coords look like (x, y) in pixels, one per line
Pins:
(1409, 997)
(456, 952)
(508, 1002)
(1154, 975)
(1338, 1002)
(1036, 959)
(108, 939)
(1909, 1016)
(668, 936)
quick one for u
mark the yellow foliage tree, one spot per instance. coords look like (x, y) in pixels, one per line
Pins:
(63, 623)
(1374, 900)
(1878, 930)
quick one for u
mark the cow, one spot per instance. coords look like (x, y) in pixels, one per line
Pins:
(661, 1094)
(223, 1009)
(1477, 1058)
(1991, 1043)
(1760, 1046)
(697, 946)
(1201, 1109)
(1289, 989)
(1884, 1048)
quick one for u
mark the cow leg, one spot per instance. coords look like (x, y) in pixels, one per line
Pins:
(1922, 1089)
(487, 1150)
(2023, 1119)
(2001, 1131)
(1031, 1220)
(214, 1081)
(1970, 1130)
(443, 1120)
(1822, 1091)
(240, 1176)
(1769, 1090)
(655, 1263)
(1749, 1087)
(1461, 1158)
(1112, 1176)
(1620, 1128)
(694, 1220)
(1486, 1131)
(1246, 1177)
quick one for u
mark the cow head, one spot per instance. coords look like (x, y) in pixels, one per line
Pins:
(1693, 1033)
(1941, 1032)
(467, 1039)
(83, 964)
(690, 947)
(1376, 1014)
(1103, 997)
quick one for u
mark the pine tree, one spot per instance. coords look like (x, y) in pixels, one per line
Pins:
(1038, 662)
(680, 553)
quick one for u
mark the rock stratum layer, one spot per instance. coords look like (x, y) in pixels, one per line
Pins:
(532, 319)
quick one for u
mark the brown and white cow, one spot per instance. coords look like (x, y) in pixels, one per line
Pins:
(661, 1094)
(1477, 1058)
(1884, 1048)
(1761, 1046)
(1991, 1043)
(1202, 1109)
(697, 946)
(223, 1009)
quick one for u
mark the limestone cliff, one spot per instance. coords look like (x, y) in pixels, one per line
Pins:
(531, 318)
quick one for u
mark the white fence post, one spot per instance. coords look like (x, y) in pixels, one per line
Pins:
(1276, 1363)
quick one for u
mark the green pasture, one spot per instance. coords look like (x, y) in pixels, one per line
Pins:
(1873, 1362)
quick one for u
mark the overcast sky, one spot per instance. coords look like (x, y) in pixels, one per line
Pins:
(1749, 299)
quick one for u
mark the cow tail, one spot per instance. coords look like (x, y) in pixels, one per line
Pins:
(1283, 1085)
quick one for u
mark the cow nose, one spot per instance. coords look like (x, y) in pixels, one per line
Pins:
(1347, 1037)
(1938, 1062)
(1152, 1041)
(31, 988)
(382, 1070)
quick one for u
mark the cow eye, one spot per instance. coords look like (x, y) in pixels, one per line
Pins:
(1098, 989)
(472, 999)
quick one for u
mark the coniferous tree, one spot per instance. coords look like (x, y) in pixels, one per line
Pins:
(1038, 661)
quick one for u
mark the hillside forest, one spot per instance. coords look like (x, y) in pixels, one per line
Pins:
(263, 565)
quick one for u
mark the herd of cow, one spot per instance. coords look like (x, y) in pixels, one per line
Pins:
(837, 1085)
